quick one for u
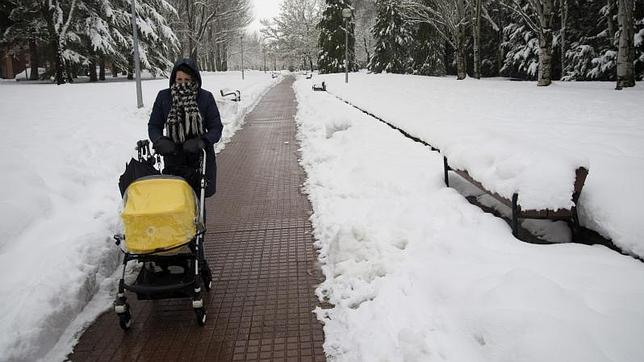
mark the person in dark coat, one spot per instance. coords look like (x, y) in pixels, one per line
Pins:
(191, 120)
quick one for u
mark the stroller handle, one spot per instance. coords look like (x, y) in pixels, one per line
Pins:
(202, 192)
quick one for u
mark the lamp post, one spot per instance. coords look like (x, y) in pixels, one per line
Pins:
(346, 14)
(137, 64)
(241, 40)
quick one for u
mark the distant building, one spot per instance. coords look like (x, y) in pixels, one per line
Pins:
(12, 62)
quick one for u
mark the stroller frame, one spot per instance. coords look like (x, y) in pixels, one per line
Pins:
(196, 272)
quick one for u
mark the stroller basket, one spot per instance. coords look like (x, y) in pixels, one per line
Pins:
(159, 214)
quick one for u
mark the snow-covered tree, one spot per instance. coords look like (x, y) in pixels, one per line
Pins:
(427, 52)
(449, 18)
(539, 16)
(331, 43)
(393, 38)
(521, 49)
(25, 28)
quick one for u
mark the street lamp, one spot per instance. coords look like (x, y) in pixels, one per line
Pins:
(241, 40)
(137, 66)
(346, 14)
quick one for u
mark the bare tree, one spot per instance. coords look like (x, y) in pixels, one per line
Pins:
(208, 24)
(293, 32)
(365, 18)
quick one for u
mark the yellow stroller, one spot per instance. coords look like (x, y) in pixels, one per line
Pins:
(164, 230)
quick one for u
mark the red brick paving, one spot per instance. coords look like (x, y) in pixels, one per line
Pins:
(260, 248)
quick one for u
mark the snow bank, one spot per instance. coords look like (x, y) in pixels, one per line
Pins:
(416, 273)
(517, 137)
(63, 149)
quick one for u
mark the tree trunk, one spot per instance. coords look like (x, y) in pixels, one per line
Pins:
(477, 40)
(56, 53)
(609, 21)
(626, 49)
(33, 59)
(115, 71)
(70, 73)
(93, 77)
(461, 68)
(211, 61)
(195, 55)
(545, 44)
(101, 69)
(545, 58)
(130, 67)
(366, 49)
(224, 57)
(564, 19)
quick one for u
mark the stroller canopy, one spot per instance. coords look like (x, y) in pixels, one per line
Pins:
(160, 213)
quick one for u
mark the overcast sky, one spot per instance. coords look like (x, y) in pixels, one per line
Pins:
(263, 9)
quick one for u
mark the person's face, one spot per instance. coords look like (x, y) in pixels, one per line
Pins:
(182, 77)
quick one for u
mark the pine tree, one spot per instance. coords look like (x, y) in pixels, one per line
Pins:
(393, 40)
(332, 38)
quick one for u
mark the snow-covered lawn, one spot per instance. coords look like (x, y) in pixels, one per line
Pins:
(515, 136)
(416, 273)
(62, 149)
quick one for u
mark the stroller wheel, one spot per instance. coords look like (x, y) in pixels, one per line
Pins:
(201, 316)
(125, 320)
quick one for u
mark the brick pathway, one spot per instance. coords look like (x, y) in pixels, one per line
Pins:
(260, 247)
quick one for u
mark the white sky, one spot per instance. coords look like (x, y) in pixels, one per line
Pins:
(263, 9)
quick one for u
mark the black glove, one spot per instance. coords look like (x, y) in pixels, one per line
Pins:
(164, 146)
(194, 145)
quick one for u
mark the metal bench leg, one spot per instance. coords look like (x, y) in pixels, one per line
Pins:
(515, 215)
(445, 170)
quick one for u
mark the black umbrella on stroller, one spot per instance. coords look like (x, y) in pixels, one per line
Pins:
(137, 168)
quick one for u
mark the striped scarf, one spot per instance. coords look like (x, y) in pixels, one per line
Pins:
(184, 119)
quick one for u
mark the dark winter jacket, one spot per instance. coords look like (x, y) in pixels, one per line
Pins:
(205, 102)
(211, 123)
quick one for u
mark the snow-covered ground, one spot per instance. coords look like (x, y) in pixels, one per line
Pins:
(515, 136)
(416, 273)
(62, 149)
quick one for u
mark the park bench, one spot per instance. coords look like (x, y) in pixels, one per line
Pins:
(319, 87)
(568, 215)
(234, 95)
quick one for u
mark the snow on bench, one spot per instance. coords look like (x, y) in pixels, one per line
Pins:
(535, 194)
(319, 87)
(534, 183)
(235, 95)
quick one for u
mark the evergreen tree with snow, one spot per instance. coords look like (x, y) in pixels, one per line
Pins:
(332, 38)
(393, 40)
(427, 51)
